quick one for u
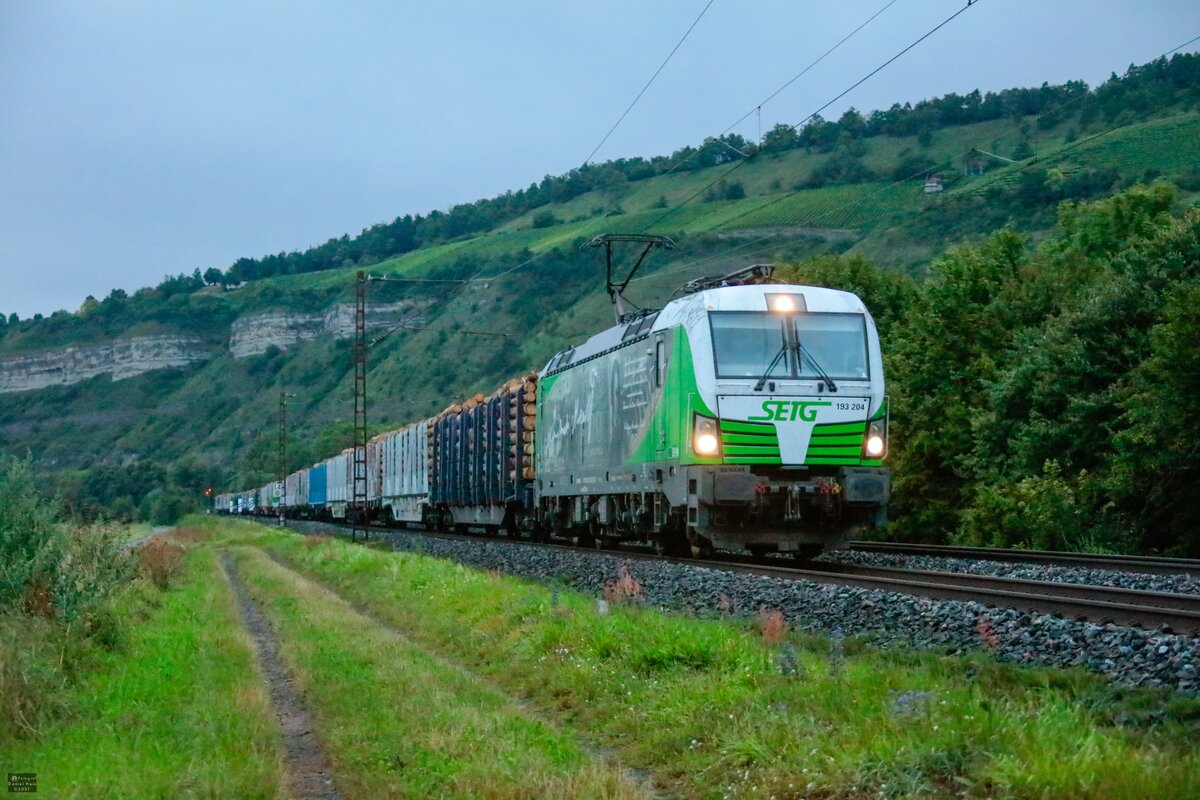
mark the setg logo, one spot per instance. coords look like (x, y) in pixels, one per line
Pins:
(790, 410)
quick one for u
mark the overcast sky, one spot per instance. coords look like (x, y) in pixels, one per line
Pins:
(139, 139)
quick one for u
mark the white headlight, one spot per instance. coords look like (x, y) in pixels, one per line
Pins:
(784, 304)
(875, 445)
(706, 444)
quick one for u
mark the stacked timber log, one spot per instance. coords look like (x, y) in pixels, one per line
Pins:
(481, 449)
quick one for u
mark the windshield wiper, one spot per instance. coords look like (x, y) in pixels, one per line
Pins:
(812, 362)
(771, 368)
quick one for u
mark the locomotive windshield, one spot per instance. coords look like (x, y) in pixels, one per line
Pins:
(745, 343)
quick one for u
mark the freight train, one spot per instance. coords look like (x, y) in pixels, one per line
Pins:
(740, 416)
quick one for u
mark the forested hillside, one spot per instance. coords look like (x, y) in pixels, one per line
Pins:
(1030, 255)
(1043, 394)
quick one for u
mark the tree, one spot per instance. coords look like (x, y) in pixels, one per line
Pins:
(213, 276)
(1157, 463)
(781, 138)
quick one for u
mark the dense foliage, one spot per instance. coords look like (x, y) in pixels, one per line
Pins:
(1044, 396)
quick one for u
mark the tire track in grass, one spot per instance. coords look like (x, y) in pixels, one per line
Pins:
(638, 780)
(309, 775)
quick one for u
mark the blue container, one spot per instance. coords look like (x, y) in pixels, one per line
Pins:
(317, 486)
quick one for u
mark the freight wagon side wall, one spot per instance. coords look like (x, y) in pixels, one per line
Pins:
(318, 486)
(406, 464)
(482, 455)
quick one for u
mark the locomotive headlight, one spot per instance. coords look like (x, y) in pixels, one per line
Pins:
(704, 436)
(876, 443)
(783, 304)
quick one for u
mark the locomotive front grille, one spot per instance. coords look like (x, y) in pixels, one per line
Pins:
(749, 443)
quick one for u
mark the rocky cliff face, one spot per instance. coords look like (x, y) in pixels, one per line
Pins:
(123, 358)
(254, 334)
(249, 335)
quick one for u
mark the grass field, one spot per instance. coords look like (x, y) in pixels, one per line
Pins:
(700, 705)
(178, 710)
(424, 678)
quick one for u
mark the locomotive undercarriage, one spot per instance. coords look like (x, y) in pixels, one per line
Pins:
(690, 510)
(794, 510)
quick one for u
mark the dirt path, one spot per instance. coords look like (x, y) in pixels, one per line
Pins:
(637, 777)
(309, 774)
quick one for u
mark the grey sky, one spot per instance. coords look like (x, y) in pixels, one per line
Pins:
(139, 139)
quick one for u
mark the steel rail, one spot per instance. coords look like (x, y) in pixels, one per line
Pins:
(1155, 565)
(1178, 613)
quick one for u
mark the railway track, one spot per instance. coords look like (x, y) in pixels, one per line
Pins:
(1154, 565)
(1177, 613)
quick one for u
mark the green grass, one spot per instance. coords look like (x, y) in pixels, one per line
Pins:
(177, 710)
(701, 707)
(397, 722)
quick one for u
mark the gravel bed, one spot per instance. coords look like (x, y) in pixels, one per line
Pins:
(1179, 584)
(1127, 655)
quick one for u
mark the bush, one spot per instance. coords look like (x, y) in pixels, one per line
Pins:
(1040, 512)
(44, 568)
(31, 544)
(31, 679)
(160, 560)
(95, 564)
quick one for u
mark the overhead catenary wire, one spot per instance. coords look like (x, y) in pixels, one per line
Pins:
(661, 66)
(477, 276)
(653, 180)
(739, 164)
(999, 175)
(478, 273)
(687, 159)
(803, 72)
(683, 161)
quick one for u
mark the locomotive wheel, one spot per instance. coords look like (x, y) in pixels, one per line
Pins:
(759, 550)
(699, 546)
(672, 540)
(660, 544)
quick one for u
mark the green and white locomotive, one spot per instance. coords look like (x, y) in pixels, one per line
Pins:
(744, 415)
(737, 417)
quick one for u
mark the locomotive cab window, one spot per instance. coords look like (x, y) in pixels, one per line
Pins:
(747, 343)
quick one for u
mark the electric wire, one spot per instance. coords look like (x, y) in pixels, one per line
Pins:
(653, 180)
(738, 165)
(650, 181)
(974, 189)
(625, 113)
